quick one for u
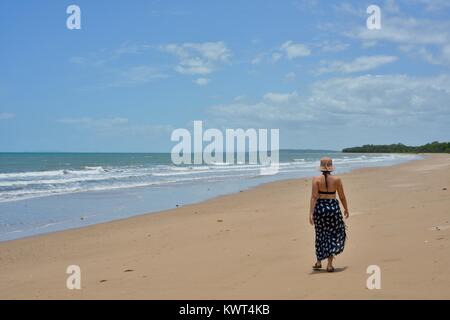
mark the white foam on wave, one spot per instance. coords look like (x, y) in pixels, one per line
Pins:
(18, 175)
(51, 173)
(25, 185)
(23, 194)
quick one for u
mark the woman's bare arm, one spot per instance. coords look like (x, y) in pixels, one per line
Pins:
(340, 190)
(314, 197)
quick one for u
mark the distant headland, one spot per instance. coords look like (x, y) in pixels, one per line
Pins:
(433, 147)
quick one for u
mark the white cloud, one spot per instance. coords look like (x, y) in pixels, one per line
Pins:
(391, 6)
(276, 56)
(403, 30)
(357, 65)
(288, 50)
(198, 58)
(425, 37)
(275, 97)
(441, 57)
(241, 97)
(348, 9)
(194, 66)
(202, 81)
(333, 46)
(378, 101)
(417, 37)
(6, 115)
(434, 5)
(139, 74)
(294, 50)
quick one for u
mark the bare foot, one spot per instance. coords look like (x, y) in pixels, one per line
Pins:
(330, 264)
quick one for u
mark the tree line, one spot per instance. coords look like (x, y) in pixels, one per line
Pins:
(433, 147)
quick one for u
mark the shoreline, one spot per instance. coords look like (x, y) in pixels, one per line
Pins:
(92, 218)
(254, 244)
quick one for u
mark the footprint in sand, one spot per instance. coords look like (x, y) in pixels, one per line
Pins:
(439, 228)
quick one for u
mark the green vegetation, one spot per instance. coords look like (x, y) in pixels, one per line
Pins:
(434, 147)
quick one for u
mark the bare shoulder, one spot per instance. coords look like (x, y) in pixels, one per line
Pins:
(337, 179)
(316, 180)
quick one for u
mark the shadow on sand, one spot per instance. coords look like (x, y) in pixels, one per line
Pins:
(324, 270)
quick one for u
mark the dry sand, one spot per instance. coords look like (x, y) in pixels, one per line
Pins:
(255, 244)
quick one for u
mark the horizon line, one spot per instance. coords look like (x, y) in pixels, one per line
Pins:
(162, 152)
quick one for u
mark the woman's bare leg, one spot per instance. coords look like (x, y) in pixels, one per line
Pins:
(330, 262)
(318, 264)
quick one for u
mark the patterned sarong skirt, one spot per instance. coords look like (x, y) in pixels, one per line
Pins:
(330, 228)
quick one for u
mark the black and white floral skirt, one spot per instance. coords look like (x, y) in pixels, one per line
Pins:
(330, 228)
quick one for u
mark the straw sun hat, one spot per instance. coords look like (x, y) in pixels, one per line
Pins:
(326, 164)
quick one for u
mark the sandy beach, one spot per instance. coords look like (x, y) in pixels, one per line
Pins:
(255, 244)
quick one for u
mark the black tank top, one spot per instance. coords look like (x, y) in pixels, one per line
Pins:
(325, 174)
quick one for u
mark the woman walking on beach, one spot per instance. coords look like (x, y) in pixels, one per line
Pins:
(325, 215)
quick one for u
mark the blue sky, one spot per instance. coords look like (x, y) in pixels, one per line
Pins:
(139, 69)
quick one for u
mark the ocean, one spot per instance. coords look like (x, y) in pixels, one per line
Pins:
(46, 192)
